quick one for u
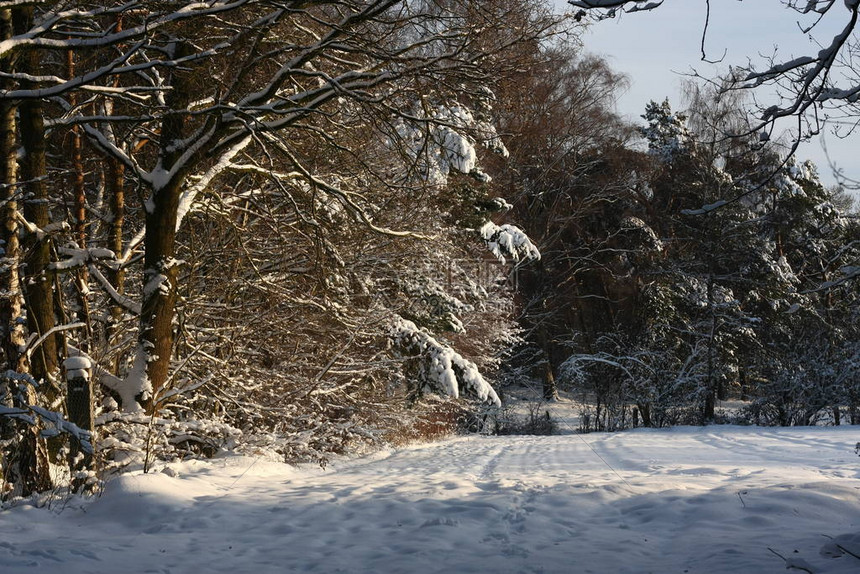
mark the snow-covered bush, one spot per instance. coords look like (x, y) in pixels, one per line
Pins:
(431, 305)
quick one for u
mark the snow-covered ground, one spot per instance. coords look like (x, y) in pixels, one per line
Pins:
(687, 500)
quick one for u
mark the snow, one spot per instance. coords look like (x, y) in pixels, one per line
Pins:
(721, 499)
(79, 257)
(444, 143)
(54, 424)
(705, 208)
(77, 363)
(189, 196)
(126, 302)
(443, 368)
(135, 383)
(508, 241)
(157, 283)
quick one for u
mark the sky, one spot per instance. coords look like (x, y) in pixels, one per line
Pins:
(657, 49)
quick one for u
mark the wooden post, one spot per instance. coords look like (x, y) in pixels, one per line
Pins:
(79, 404)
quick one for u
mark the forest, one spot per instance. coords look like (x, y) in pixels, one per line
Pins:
(316, 227)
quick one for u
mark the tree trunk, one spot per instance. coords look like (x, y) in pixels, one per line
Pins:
(116, 192)
(115, 188)
(550, 388)
(645, 412)
(80, 214)
(25, 461)
(38, 278)
(160, 266)
(159, 291)
(709, 407)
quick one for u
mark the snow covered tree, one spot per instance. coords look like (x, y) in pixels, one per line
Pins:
(704, 298)
(567, 189)
(23, 459)
(812, 245)
(730, 288)
(716, 262)
(172, 135)
(438, 368)
(345, 134)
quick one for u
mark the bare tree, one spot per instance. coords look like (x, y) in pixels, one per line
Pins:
(811, 89)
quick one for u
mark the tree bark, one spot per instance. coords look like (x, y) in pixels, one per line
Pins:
(25, 463)
(116, 193)
(645, 412)
(159, 291)
(160, 265)
(709, 407)
(80, 213)
(79, 403)
(38, 277)
(550, 388)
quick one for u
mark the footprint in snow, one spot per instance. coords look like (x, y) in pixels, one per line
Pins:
(440, 522)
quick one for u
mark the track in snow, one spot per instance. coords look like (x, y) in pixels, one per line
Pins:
(693, 500)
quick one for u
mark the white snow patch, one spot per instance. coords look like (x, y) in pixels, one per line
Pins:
(77, 363)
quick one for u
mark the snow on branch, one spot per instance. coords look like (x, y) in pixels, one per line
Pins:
(705, 209)
(509, 241)
(190, 194)
(345, 197)
(574, 367)
(135, 383)
(441, 369)
(36, 37)
(443, 139)
(848, 273)
(610, 6)
(80, 257)
(125, 302)
(14, 413)
(34, 343)
(58, 425)
(55, 423)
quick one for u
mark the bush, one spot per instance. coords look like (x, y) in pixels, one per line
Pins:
(536, 421)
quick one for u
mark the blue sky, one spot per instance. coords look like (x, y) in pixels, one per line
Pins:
(655, 50)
